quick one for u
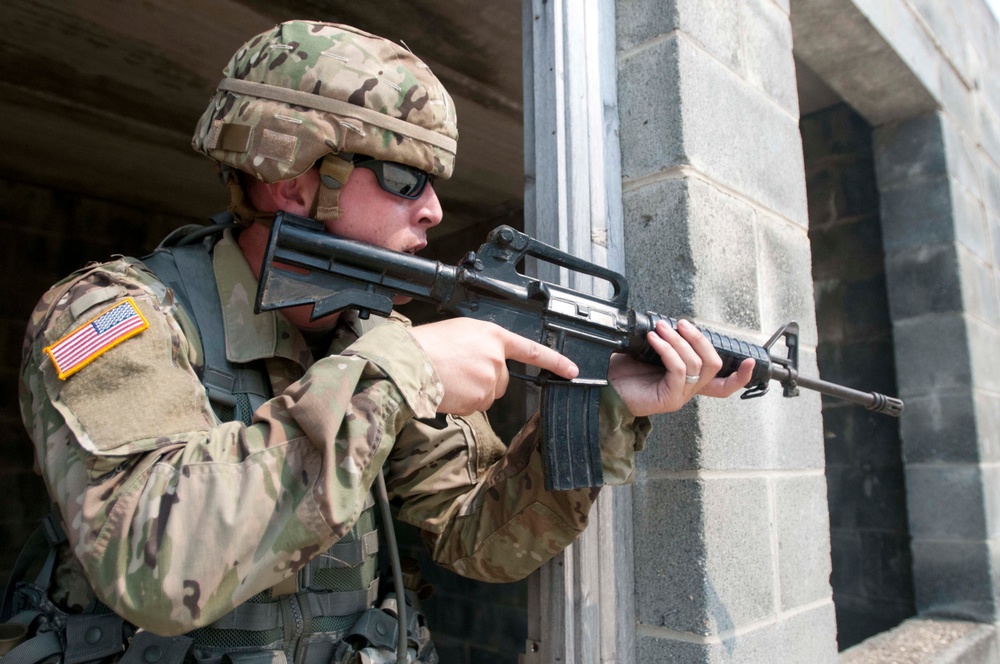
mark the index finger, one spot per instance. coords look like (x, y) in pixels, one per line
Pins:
(525, 350)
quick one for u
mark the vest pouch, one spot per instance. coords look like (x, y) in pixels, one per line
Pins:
(93, 637)
(372, 640)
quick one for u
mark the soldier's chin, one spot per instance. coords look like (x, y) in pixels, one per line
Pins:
(400, 299)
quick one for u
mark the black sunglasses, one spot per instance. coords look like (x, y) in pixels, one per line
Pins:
(399, 179)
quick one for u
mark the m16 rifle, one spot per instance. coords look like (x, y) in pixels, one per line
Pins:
(304, 264)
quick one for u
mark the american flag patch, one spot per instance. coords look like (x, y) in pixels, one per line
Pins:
(87, 342)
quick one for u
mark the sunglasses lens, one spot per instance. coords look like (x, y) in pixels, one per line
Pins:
(403, 180)
(397, 179)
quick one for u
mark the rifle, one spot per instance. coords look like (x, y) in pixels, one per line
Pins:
(334, 273)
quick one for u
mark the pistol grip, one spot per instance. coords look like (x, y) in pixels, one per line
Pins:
(571, 445)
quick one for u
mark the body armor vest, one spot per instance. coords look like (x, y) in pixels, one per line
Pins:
(322, 615)
(305, 618)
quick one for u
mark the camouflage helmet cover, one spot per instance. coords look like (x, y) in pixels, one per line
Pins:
(305, 89)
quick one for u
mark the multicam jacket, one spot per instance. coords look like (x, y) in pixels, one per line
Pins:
(175, 518)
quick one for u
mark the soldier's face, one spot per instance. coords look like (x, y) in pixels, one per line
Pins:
(370, 214)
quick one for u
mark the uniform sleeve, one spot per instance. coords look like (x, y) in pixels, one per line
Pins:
(483, 508)
(176, 518)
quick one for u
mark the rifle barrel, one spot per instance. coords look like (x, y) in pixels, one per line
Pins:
(873, 401)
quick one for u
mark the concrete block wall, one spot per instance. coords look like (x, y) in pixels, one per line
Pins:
(732, 553)
(872, 584)
(938, 174)
(924, 74)
(939, 218)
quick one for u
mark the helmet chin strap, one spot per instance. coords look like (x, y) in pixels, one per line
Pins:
(333, 173)
(244, 213)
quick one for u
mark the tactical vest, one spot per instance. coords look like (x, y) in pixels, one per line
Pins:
(322, 615)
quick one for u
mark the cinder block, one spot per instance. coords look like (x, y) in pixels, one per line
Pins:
(979, 287)
(846, 577)
(704, 116)
(991, 191)
(712, 23)
(924, 280)
(941, 426)
(677, 232)
(917, 213)
(932, 355)
(938, 493)
(867, 308)
(970, 222)
(987, 413)
(831, 320)
(703, 554)
(843, 493)
(887, 565)
(651, 115)
(988, 50)
(848, 251)
(767, 47)
(877, 440)
(771, 431)
(989, 132)
(955, 579)
(993, 222)
(951, 35)
(675, 444)
(956, 98)
(909, 150)
(991, 490)
(961, 154)
(984, 340)
(784, 278)
(805, 638)
(735, 434)
(864, 365)
(803, 540)
(838, 431)
(838, 131)
(883, 507)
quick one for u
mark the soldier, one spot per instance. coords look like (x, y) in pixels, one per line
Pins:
(213, 471)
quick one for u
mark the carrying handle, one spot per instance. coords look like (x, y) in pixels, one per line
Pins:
(509, 245)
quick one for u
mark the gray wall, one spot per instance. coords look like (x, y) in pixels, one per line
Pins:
(732, 548)
(732, 538)
(924, 74)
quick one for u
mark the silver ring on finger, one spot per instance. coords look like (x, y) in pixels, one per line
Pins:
(691, 380)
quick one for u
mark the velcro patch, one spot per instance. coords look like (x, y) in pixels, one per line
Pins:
(89, 341)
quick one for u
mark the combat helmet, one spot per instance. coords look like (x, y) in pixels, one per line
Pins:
(307, 91)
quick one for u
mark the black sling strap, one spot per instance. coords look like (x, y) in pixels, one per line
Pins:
(183, 261)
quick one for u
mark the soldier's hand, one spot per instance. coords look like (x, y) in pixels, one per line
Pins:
(647, 389)
(470, 357)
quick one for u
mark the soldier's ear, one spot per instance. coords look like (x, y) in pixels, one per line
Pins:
(295, 195)
(298, 194)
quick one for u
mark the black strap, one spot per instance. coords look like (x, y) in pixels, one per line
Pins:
(44, 541)
(147, 647)
(235, 390)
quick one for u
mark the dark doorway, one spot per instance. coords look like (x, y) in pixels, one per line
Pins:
(869, 533)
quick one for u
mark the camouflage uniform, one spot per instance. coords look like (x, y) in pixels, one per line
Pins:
(175, 518)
